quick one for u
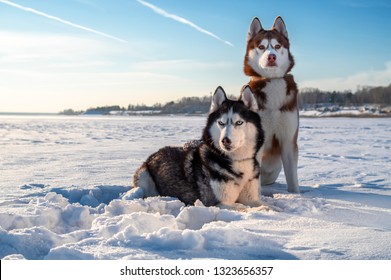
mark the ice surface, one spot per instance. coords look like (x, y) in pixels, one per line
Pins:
(65, 181)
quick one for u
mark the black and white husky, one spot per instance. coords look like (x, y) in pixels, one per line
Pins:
(220, 170)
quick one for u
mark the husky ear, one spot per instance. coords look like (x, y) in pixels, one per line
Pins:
(279, 25)
(255, 28)
(248, 98)
(218, 98)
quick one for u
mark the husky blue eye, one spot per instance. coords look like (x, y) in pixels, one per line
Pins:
(221, 123)
(239, 123)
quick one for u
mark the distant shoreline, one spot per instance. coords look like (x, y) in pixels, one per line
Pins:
(301, 113)
(27, 114)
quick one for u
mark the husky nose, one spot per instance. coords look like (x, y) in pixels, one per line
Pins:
(271, 58)
(226, 141)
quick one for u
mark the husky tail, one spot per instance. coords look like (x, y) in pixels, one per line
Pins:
(142, 179)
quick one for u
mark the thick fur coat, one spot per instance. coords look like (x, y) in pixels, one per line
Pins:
(268, 61)
(220, 170)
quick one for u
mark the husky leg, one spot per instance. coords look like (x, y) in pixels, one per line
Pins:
(250, 194)
(289, 155)
(143, 180)
(270, 169)
(227, 194)
(250, 197)
(248, 200)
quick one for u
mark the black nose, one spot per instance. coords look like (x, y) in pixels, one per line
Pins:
(226, 141)
(272, 57)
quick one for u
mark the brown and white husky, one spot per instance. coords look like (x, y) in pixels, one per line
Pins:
(268, 62)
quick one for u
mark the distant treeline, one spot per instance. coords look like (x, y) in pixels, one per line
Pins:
(364, 95)
(308, 97)
(186, 105)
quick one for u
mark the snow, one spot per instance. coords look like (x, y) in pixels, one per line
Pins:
(65, 193)
(341, 111)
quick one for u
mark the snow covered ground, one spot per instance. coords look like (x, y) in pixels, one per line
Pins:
(341, 111)
(63, 182)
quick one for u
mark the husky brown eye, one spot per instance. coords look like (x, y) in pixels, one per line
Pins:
(261, 47)
(277, 47)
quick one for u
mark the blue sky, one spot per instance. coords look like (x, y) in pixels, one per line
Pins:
(61, 54)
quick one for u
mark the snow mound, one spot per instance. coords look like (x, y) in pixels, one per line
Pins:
(62, 225)
(91, 196)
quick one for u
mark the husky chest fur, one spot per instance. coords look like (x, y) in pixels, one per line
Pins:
(222, 169)
(268, 61)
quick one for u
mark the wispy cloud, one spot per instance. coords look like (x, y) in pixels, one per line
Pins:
(30, 50)
(63, 21)
(366, 78)
(182, 20)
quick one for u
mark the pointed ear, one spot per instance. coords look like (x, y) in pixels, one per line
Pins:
(248, 98)
(279, 25)
(218, 98)
(255, 28)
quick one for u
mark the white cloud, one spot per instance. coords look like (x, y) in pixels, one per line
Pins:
(367, 78)
(19, 47)
(43, 91)
(33, 50)
(49, 72)
(49, 92)
(41, 72)
(182, 20)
